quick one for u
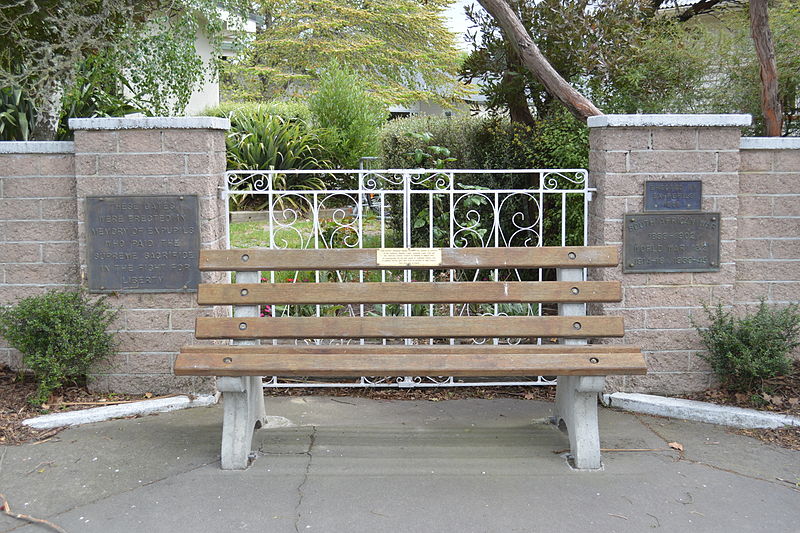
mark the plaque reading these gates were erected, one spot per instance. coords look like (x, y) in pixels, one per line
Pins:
(670, 242)
(142, 243)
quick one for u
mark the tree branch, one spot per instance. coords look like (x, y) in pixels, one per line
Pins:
(532, 58)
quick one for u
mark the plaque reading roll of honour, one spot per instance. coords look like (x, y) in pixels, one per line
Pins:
(142, 243)
(670, 242)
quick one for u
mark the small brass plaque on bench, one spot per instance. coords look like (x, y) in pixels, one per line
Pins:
(671, 242)
(409, 256)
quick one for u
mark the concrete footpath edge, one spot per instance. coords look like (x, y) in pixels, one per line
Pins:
(107, 412)
(723, 415)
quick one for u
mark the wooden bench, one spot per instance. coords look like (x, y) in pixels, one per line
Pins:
(581, 368)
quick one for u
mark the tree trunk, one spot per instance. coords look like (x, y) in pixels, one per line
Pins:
(762, 37)
(532, 58)
(48, 114)
(516, 100)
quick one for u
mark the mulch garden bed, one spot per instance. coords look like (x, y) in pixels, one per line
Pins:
(782, 395)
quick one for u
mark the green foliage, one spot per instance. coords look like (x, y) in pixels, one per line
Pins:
(60, 335)
(349, 116)
(16, 115)
(397, 147)
(745, 351)
(402, 49)
(287, 109)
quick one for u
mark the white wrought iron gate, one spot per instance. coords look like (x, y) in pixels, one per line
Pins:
(407, 208)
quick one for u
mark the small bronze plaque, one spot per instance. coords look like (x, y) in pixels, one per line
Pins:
(670, 242)
(142, 243)
(673, 195)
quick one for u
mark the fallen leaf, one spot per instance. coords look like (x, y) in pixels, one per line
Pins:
(675, 446)
(529, 396)
(793, 401)
(148, 394)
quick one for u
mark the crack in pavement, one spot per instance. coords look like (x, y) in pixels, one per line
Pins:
(300, 493)
(682, 457)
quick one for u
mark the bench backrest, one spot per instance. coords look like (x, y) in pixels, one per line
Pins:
(249, 263)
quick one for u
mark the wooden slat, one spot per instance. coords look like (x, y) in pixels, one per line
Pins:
(366, 258)
(522, 360)
(421, 326)
(400, 292)
(433, 349)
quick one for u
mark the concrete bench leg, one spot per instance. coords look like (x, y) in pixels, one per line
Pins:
(244, 412)
(576, 407)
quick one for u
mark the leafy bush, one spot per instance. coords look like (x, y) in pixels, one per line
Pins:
(287, 109)
(60, 335)
(348, 115)
(17, 115)
(745, 351)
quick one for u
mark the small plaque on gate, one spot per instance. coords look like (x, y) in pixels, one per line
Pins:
(673, 195)
(142, 243)
(409, 257)
(671, 242)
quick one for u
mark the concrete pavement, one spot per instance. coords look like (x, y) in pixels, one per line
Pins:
(352, 465)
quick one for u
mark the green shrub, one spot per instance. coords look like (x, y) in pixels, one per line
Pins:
(745, 351)
(287, 109)
(17, 115)
(348, 115)
(60, 335)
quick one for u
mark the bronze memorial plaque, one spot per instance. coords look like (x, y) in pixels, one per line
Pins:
(673, 195)
(670, 242)
(142, 243)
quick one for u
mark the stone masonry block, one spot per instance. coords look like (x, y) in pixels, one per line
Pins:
(621, 184)
(45, 273)
(154, 341)
(751, 291)
(600, 161)
(728, 162)
(674, 296)
(786, 205)
(726, 273)
(770, 183)
(157, 384)
(768, 227)
(675, 138)
(95, 186)
(140, 164)
(667, 361)
(186, 141)
(786, 249)
(756, 160)
(36, 165)
(37, 231)
(184, 319)
(60, 209)
(60, 253)
(668, 382)
(146, 185)
(20, 253)
(156, 300)
(149, 363)
(786, 291)
(664, 339)
(203, 186)
(787, 160)
(619, 138)
(664, 318)
(20, 209)
(39, 187)
(148, 141)
(149, 319)
(753, 249)
(755, 206)
(767, 270)
(719, 138)
(95, 141)
(672, 161)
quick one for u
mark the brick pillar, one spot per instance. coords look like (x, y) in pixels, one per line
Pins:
(38, 224)
(626, 151)
(151, 156)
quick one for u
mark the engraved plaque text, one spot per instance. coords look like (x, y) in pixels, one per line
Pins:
(673, 195)
(142, 243)
(671, 242)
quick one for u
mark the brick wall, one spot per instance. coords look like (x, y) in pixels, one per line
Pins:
(38, 223)
(626, 151)
(768, 236)
(152, 156)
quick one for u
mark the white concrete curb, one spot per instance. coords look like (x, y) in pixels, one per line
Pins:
(150, 123)
(701, 411)
(668, 120)
(99, 414)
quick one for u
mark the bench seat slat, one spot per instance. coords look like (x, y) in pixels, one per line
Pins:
(524, 360)
(402, 292)
(366, 258)
(419, 326)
